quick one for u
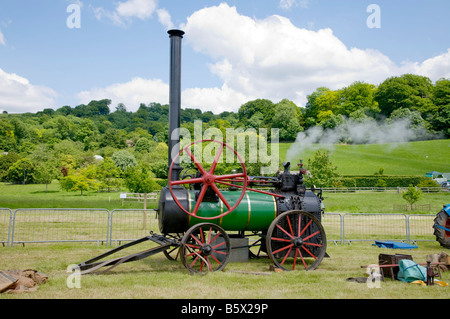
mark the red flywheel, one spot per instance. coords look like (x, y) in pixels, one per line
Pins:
(209, 179)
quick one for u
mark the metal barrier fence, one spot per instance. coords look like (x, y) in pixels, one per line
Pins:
(370, 227)
(102, 226)
(59, 225)
(5, 225)
(130, 224)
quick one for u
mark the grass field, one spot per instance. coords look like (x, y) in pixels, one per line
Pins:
(158, 278)
(34, 196)
(413, 158)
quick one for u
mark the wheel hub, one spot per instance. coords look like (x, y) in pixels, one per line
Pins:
(208, 179)
(297, 241)
(206, 250)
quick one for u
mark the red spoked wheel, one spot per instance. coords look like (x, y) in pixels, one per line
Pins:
(296, 237)
(208, 180)
(205, 247)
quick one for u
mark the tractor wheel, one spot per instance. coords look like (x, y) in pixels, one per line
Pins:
(442, 236)
(205, 247)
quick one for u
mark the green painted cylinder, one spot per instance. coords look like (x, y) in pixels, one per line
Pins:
(255, 212)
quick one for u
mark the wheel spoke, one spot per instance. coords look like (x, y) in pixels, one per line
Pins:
(199, 199)
(197, 240)
(195, 260)
(285, 257)
(312, 244)
(187, 181)
(285, 247)
(280, 239)
(309, 253)
(303, 260)
(219, 193)
(306, 227)
(214, 239)
(295, 259)
(218, 245)
(217, 261)
(209, 235)
(196, 162)
(285, 231)
(312, 235)
(290, 226)
(216, 159)
(193, 246)
(201, 235)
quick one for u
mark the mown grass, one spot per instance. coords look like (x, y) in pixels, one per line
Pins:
(382, 202)
(35, 196)
(158, 278)
(413, 158)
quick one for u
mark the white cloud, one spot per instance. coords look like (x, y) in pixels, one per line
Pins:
(434, 68)
(2, 38)
(216, 100)
(125, 11)
(18, 95)
(272, 58)
(131, 93)
(139, 90)
(268, 58)
(142, 9)
(288, 4)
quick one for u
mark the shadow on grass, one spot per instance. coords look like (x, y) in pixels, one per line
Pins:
(44, 192)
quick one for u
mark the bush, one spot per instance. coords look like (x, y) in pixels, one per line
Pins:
(373, 180)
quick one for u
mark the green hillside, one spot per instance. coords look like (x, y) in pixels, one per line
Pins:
(413, 158)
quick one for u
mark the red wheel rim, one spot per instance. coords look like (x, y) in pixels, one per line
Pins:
(209, 180)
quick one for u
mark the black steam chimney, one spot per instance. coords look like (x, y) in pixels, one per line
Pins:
(175, 100)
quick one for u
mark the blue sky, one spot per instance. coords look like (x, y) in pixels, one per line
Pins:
(233, 51)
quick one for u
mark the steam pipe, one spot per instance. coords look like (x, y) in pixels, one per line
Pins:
(175, 100)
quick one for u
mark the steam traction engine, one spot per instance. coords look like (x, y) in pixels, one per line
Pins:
(197, 212)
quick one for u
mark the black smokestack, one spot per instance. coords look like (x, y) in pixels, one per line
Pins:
(175, 99)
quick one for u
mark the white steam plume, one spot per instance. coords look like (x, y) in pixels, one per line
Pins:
(355, 132)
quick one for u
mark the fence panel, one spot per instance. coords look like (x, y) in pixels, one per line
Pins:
(332, 223)
(421, 227)
(131, 224)
(60, 225)
(5, 226)
(371, 227)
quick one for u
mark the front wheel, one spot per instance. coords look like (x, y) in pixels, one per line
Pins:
(205, 247)
(296, 237)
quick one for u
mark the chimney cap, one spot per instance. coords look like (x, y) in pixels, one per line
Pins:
(176, 32)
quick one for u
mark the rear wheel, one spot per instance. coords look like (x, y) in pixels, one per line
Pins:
(296, 238)
(442, 221)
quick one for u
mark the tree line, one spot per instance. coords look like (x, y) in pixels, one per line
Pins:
(92, 147)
